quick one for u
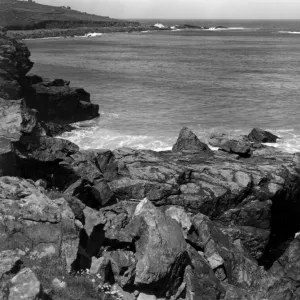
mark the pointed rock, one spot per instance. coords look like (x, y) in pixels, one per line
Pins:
(258, 135)
(188, 141)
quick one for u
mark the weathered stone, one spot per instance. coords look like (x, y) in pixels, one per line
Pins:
(25, 286)
(258, 135)
(231, 143)
(161, 252)
(33, 223)
(188, 141)
(241, 270)
(14, 65)
(55, 100)
(178, 214)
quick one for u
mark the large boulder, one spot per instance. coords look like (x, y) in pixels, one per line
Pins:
(56, 101)
(231, 143)
(229, 262)
(141, 246)
(258, 135)
(188, 141)
(31, 222)
(14, 65)
(200, 280)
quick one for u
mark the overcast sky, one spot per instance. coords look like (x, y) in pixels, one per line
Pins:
(186, 9)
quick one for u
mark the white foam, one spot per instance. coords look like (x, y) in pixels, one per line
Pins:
(230, 28)
(108, 114)
(159, 25)
(90, 34)
(289, 32)
(94, 137)
(47, 38)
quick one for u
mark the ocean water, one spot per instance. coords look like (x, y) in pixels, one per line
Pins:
(149, 85)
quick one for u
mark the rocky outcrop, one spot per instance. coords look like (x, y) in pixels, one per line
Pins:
(188, 141)
(14, 65)
(52, 104)
(34, 224)
(231, 143)
(56, 101)
(258, 135)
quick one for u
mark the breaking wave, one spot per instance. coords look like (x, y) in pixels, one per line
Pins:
(90, 34)
(289, 32)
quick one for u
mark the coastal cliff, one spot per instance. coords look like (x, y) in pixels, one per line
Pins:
(25, 19)
(189, 224)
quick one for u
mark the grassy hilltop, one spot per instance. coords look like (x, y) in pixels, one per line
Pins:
(23, 15)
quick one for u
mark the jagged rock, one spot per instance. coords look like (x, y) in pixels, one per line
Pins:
(201, 282)
(44, 149)
(33, 223)
(178, 214)
(231, 143)
(14, 65)
(283, 278)
(223, 256)
(61, 165)
(56, 101)
(122, 264)
(160, 248)
(188, 141)
(250, 223)
(258, 135)
(152, 249)
(25, 285)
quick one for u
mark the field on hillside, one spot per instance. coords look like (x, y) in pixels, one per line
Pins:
(23, 15)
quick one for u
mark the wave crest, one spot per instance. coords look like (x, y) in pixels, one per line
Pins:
(289, 32)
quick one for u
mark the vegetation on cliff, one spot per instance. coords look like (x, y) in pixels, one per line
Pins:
(22, 15)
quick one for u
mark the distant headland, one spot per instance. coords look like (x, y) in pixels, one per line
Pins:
(29, 19)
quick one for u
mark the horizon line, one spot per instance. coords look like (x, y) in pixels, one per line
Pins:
(221, 19)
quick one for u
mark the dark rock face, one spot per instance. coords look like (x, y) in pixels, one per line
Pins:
(53, 103)
(148, 245)
(233, 144)
(284, 277)
(56, 101)
(261, 136)
(188, 141)
(14, 65)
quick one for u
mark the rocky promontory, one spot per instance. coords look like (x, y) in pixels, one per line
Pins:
(189, 224)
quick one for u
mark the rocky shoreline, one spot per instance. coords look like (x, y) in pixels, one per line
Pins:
(186, 224)
(84, 31)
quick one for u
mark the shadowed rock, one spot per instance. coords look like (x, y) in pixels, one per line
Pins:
(261, 136)
(188, 141)
(14, 65)
(231, 143)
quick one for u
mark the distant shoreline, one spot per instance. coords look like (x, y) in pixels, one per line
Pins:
(70, 32)
(83, 31)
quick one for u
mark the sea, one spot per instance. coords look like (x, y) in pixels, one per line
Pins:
(150, 84)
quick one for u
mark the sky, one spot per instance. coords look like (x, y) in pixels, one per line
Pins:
(186, 9)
